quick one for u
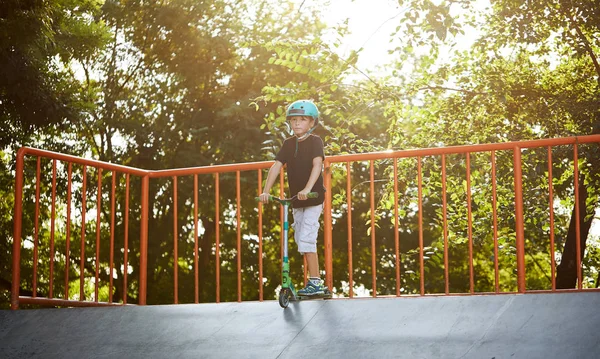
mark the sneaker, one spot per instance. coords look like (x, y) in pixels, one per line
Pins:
(313, 289)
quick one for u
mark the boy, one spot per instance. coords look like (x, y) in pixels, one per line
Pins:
(303, 153)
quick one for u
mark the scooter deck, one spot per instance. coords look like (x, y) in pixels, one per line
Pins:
(313, 297)
(326, 295)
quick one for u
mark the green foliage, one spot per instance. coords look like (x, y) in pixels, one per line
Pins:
(37, 91)
(185, 83)
(516, 83)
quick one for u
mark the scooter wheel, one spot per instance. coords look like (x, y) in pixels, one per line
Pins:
(284, 298)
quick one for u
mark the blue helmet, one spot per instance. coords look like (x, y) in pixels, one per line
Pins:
(303, 108)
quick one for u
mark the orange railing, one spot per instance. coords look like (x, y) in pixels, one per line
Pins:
(69, 161)
(145, 176)
(333, 183)
(442, 153)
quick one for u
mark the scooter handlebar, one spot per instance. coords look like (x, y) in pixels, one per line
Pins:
(273, 198)
(312, 195)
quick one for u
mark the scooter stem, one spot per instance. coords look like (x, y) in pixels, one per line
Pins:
(285, 229)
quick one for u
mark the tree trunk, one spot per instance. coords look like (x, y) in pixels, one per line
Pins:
(567, 273)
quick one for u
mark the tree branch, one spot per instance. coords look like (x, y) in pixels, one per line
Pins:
(584, 39)
(137, 66)
(588, 48)
(443, 88)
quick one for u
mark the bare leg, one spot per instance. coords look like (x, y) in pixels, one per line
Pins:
(312, 262)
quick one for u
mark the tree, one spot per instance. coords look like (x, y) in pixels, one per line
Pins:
(38, 100)
(34, 93)
(533, 73)
(171, 89)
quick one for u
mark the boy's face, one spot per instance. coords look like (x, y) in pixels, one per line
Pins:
(301, 124)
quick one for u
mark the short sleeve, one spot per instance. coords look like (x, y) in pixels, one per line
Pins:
(317, 148)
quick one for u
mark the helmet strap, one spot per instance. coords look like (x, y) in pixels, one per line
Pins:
(301, 138)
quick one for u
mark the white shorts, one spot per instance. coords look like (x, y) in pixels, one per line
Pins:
(306, 227)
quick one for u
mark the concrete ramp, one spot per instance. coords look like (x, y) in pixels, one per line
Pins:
(562, 325)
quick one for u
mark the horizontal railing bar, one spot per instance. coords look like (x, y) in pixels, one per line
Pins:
(64, 303)
(83, 161)
(249, 166)
(336, 158)
(566, 290)
(434, 151)
(467, 294)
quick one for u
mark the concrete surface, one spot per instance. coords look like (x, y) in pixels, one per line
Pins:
(562, 325)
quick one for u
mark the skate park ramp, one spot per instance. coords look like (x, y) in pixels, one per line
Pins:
(559, 325)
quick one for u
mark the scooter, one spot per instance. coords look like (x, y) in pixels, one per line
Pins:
(288, 292)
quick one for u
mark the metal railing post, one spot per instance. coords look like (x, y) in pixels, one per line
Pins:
(144, 241)
(327, 227)
(519, 228)
(16, 263)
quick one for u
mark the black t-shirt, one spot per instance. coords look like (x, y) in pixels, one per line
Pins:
(299, 167)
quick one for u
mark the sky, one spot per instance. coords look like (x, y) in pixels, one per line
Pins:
(371, 23)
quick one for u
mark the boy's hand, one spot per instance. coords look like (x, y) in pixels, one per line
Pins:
(264, 197)
(303, 195)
